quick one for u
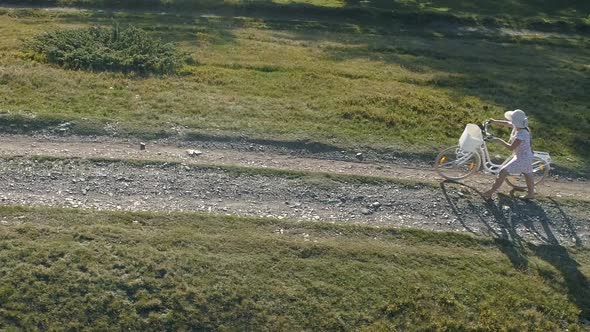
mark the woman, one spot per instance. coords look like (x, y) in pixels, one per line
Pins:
(522, 153)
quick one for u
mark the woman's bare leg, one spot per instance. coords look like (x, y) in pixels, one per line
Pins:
(499, 180)
(530, 184)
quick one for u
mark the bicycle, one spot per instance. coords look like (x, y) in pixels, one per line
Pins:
(463, 160)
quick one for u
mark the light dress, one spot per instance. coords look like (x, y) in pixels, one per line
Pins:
(522, 157)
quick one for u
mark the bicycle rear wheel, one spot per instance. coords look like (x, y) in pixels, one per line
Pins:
(540, 171)
(454, 164)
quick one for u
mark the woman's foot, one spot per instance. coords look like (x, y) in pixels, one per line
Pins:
(529, 196)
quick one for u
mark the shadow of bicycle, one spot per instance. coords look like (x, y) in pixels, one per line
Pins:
(523, 230)
(511, 219)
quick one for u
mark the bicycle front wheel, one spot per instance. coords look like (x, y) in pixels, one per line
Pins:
(454, 164)
(540, 172)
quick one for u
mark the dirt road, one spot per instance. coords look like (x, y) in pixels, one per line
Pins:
(94, 173)
(252, 155)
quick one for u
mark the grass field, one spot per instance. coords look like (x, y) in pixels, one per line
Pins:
(342, 82)
(403, 75)
(570, 14)
(72, 269)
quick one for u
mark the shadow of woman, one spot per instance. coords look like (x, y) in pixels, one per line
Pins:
(552, 252)
(497, 221)
(502, 220)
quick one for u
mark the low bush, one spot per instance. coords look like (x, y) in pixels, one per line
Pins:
(113, 48)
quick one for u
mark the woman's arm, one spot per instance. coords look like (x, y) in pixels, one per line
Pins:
(502, 123)
(510, 146)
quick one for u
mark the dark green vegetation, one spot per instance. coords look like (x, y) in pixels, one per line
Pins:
(104, 48)
(70, 269)
(567, 14)
(345, 81)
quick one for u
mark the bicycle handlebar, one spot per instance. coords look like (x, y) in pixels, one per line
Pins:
(485, 130)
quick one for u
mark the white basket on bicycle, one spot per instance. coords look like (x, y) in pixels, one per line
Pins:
(471, 139)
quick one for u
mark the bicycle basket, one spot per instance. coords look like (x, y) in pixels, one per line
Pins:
(471, 139)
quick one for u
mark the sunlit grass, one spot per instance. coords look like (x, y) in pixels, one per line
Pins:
(189, 271)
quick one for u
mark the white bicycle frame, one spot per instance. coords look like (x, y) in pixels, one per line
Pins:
(486, 162)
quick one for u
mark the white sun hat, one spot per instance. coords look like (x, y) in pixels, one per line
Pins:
(517, 118)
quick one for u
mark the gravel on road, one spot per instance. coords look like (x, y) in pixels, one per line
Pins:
(161, 186)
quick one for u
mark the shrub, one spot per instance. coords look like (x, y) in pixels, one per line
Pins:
(105, 49)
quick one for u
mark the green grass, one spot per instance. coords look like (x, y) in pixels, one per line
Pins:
(335, 82)
(570, 14)
(72, 269)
